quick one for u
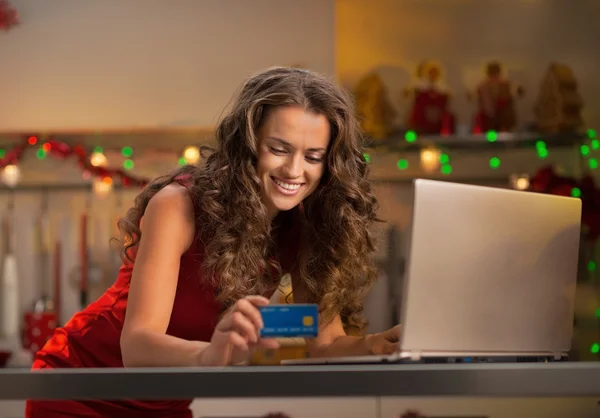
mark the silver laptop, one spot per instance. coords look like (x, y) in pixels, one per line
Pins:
(491, 273)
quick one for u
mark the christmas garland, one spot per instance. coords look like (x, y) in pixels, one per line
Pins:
(8, 16)
(62, 150)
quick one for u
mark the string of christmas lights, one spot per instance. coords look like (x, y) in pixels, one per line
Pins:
(91, 164)
(436, 155)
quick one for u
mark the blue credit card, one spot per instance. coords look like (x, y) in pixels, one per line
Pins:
(294, 320)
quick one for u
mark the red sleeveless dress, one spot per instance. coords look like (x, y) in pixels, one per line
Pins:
(91, 339)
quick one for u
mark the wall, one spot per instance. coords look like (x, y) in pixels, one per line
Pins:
(526, 35)
(109, 64)
(120, 64)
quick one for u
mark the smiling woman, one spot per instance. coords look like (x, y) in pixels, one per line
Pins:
(285, 191)
(290, 169)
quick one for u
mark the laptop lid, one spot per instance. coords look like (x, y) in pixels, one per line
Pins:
(489, 270)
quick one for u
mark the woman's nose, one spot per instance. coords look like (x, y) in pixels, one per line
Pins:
(293, 166)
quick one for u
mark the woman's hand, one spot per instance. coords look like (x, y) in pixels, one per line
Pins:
(384, 342)
(236, 333)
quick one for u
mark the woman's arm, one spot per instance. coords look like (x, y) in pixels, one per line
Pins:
(167, 232)
(332, 340)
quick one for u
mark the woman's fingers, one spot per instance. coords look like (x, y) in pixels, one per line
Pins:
(237, 341)
(249, 305)
(245, 318)
(269, 343)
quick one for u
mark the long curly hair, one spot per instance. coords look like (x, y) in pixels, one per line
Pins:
(335, 262)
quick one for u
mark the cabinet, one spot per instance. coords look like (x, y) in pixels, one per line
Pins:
(12, 409)
(256, 407)
(463, 407)
(293, 407)
(386, 407)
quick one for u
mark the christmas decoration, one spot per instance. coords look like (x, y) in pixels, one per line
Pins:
(430, 112)
(8, 16)
(495, 96)
(547, 180)
(94, 164)
(559, 104)
(38, 329)
(373, 106)
(11, 175)
(430, 159)
(519, 181)
(191, 155)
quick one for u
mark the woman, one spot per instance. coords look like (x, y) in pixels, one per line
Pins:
(285, 191)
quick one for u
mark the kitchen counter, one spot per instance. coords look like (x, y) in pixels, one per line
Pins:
(564, 379)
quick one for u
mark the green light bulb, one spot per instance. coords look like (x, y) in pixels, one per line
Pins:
(127, 152)
(410, 136)
(402, 164)
(128, 164)
(40, 153)
(591, 265)
(584, 149)
(491, 136)
(494, 162)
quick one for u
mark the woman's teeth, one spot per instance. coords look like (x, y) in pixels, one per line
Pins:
(287, 186)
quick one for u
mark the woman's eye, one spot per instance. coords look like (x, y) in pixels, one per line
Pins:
(314, 160)
(277, 151)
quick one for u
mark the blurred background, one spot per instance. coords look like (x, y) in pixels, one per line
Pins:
(99, 97)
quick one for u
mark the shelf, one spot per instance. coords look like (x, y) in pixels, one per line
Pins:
(503, 140)
(176, 139)
(167, 140)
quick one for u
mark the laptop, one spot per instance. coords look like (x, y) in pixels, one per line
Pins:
(491, 276)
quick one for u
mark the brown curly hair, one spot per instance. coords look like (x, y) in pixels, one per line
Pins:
(337, 267)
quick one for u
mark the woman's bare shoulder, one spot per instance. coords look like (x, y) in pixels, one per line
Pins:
(173, 199)
(170, 214)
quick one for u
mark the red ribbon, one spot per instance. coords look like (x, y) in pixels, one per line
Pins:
(63, 150)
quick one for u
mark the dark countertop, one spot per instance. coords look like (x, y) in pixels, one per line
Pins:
(564, 379)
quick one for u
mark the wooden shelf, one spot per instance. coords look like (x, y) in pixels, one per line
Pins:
(504, 140)
(168, 139)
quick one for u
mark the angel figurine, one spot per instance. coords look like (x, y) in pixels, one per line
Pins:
(430, 112)
(495, 96)
(374, 107)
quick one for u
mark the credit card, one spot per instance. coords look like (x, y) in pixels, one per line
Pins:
(288, 321)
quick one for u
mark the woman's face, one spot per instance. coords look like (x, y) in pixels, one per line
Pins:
(291, 156)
